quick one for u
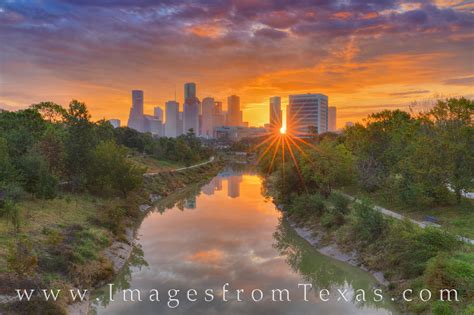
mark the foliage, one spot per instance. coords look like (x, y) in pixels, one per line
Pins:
(326, 168)
(340, 203)
(37, 179)
(369, 223)
(110, 172)
(21, 259)
(307, 204)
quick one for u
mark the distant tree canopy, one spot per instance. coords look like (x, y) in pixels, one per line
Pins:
(422, 159)
(46, 144)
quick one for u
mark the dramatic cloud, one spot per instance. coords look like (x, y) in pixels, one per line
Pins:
(355, 51)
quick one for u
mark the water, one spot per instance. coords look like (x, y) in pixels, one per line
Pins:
(227, 232)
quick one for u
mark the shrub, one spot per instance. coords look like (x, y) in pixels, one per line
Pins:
(408, 248)
(110, 173)
(452, 272)
(370, 223)
(340, 203)
(307, 204)
(21, 259)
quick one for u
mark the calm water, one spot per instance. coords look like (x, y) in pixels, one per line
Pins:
(226, 232)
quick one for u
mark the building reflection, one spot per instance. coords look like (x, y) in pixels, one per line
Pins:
(233, 186)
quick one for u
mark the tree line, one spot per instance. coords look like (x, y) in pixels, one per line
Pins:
(46, 146)
(420, 160)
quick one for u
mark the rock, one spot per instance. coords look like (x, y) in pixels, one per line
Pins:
(144, 208)
(154, 197)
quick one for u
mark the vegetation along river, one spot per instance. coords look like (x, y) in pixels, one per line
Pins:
(227, 232)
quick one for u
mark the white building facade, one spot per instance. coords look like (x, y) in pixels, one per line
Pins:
(307, 112)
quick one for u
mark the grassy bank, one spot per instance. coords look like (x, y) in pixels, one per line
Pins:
(408, 256)
(64, 238)
(455, 218)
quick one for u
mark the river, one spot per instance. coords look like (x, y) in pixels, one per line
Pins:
(227, 232)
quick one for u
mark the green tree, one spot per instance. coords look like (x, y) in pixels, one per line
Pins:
(79, 143)
(111, 173)
(37, 178)
(328, 166)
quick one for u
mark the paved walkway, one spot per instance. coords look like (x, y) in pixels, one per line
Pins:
(182, 168)
(398, 216)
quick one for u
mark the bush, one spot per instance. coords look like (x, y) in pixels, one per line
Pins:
(110, 173)
(37, 177)
(112, 216)
(307, 204)
(340, 203)
(408, 248)
(21, 260)
(370, 223)
(452, 272)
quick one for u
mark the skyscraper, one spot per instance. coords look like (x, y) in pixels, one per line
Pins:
(158, 113)
(172, 118)
(234, 114)
(307, 111)
(275, 113)
(189, 90)
(332, 119)
(207, 127)
(136, 119)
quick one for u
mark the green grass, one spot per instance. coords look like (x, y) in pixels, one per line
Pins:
(154, 165)
(42, 218)
(457, 219)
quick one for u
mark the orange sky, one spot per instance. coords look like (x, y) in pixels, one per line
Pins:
(366, 56)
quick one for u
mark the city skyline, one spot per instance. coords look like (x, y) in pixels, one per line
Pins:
(369, 56)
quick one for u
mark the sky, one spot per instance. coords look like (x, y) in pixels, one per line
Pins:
(365, 55)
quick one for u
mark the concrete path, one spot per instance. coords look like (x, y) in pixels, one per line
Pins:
(182, 168)
(398, 216)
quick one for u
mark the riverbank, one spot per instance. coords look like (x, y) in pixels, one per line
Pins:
(330, 248)
(80, 243)
(399, 254)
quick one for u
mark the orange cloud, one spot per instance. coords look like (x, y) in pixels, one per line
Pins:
(212, 256)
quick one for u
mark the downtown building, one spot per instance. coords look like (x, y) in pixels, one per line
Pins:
(307, 113)
(172, 119)
(139, 121)
(332, 125)
(234, 114)
(191, 109)
(276, 117)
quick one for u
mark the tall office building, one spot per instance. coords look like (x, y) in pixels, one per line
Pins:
(180, 128)
(307, 111)
(275, 113)
(189, 90)
(158, 113)
(207, 127)
(190, 109)
(218, 117)
(172, 119)
(191, 116)
(136, 119)
(234, 114)
(332, 119)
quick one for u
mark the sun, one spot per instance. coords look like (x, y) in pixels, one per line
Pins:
(283, 130)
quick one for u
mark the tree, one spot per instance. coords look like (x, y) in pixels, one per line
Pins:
(52, 112)
(80, 142)
(327, 167)
(37, 179)
(110, 173)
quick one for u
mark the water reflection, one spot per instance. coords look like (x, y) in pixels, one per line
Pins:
(232, 234)
(323, 272)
